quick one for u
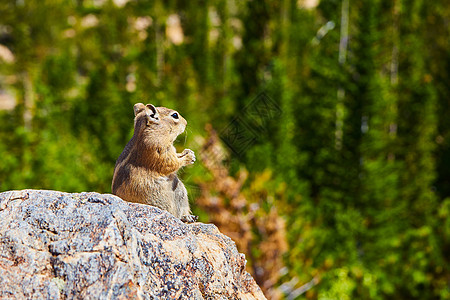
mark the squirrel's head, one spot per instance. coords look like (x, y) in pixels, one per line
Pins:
(160, 125)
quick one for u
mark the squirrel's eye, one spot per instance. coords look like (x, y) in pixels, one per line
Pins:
(174, 115)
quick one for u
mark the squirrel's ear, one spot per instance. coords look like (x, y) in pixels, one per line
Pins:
(152, 113)
(138, 107)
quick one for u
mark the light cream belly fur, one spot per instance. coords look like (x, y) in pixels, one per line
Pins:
(160, 191)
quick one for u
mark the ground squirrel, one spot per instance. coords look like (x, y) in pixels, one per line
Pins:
(145, 172)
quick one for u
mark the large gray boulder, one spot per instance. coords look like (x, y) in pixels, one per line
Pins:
(56, 245)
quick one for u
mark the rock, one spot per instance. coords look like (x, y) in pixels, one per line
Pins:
(57, 245)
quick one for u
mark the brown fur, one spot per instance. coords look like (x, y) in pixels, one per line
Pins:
(145, 172)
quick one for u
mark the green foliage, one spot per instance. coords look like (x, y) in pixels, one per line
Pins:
(357, 130)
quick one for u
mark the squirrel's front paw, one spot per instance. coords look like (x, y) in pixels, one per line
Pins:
(188, 156)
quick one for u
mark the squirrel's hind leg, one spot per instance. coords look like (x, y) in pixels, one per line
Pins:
(189, 218)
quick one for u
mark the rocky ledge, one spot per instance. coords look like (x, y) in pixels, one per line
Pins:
(56, 245)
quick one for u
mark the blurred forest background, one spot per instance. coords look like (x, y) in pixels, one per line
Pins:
(322, 128)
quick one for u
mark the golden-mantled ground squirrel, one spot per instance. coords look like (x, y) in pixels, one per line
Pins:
(145, 172)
